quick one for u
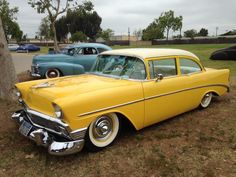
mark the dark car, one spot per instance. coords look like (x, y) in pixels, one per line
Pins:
(28, 48)
(224, 54)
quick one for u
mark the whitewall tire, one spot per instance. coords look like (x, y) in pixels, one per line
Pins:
(52, 73)
(206, 100)
(102, 131)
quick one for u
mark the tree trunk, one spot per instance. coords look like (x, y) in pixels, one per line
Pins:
(7, 70)
(167, 34)
(55, 37)
(180, 33)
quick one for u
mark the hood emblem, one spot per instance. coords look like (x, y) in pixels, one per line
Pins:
(43, 85)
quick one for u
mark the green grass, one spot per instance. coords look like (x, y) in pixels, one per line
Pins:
(44, 49)
(203, 51)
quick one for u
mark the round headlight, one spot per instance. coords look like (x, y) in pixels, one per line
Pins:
(18, 94)
(57, 111)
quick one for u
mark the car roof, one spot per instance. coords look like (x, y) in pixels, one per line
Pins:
(144, 53)
(90, 45)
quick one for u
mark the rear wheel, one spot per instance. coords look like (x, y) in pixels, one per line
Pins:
(206, 100)
(102, 132)
(52, 73)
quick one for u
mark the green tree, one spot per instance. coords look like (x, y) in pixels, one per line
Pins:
(14, 31)
(8, 16)
(178, 25)
(54, 9)
(82, 18)
(153, 31)
(190, 33)
(203, 32)
(106, 34)
(24, 37)
(79, 36)
(44, 29)
(168, 21)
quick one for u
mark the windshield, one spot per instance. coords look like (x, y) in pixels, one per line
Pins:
(120, 66)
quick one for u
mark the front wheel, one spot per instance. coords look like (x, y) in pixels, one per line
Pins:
(102, 132)
(206, 100)
(52, 73)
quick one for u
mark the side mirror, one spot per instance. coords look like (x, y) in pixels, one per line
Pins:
(159, 77)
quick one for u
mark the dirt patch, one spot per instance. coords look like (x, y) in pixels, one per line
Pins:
(197, 143)
(24, 76)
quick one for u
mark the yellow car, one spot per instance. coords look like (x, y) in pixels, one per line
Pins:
(143, 86)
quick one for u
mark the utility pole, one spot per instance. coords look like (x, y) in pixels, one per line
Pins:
(129, 35)
(217, 31)
(68, 28)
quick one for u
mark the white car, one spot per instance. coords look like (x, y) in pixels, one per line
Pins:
(13, 47)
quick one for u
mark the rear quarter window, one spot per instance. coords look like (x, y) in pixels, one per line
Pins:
(100, 50)
(188, 66)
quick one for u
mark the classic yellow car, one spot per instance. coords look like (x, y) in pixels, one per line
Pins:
(143, 86)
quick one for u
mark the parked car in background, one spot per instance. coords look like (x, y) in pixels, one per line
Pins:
(224, 54)
(28, 48)
(74, 59)
(13, 47)
(142, 86)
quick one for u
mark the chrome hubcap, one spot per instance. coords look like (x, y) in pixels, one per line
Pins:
(52, 74)
(102, 127)
(206, 99)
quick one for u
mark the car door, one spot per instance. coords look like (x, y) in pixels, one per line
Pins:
(196, 81)
(85, 56)
(163, 98)
(179, 91)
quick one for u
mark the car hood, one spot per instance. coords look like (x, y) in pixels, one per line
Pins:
(61, 87)
(40, 95)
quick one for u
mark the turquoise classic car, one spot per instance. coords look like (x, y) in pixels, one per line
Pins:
(74, 59)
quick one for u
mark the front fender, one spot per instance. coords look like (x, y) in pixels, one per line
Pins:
(65, 68)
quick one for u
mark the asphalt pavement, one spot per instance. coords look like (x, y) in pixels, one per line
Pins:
(22, 61)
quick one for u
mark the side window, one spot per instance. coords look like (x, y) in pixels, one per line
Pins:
(90, 51)
(71, 51)
(188, 66)
(166, 67)
(75, 51)
(100, 50)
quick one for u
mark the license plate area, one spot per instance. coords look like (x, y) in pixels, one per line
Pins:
(25, 128)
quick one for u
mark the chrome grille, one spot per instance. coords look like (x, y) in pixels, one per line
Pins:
(34, 69)
(47, 124)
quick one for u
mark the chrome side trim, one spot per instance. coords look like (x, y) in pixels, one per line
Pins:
(111, 107)
(151, 97)
(182, 90)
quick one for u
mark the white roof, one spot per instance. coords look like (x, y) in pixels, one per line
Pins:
(144, 53)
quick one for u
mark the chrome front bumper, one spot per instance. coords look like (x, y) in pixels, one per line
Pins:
(35, 71)
(35, 75)
(43, 137)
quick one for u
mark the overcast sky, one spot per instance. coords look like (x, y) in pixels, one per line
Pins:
(137, 14)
